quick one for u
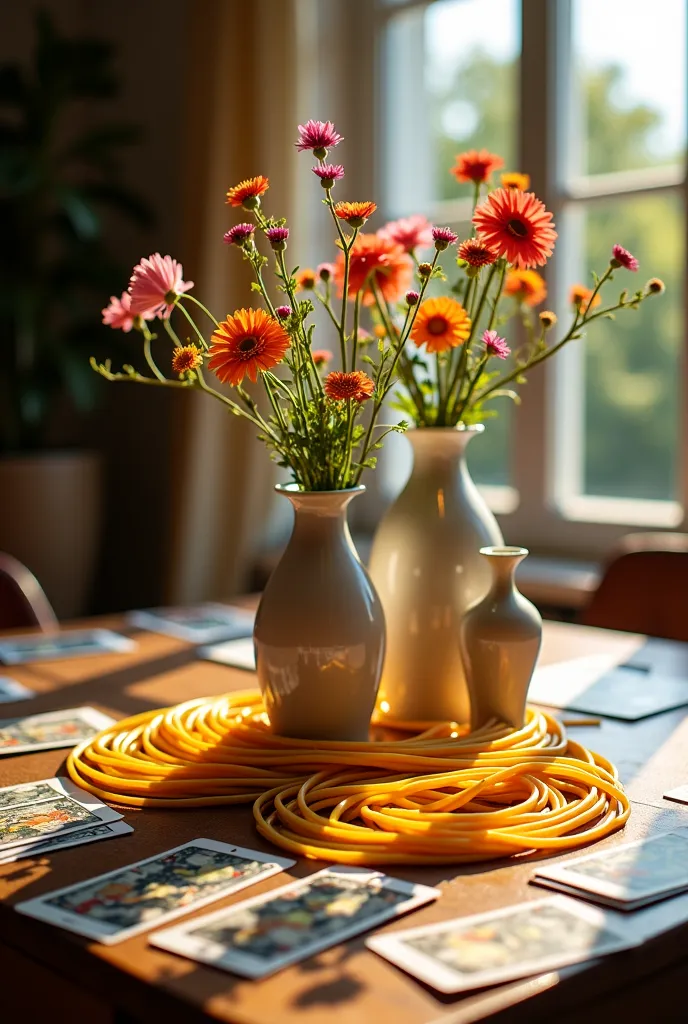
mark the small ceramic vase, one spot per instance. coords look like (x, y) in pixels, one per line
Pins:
(320, 629)
(427, 571)
(500, 639)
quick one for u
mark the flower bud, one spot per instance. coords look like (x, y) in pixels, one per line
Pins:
(425, 269)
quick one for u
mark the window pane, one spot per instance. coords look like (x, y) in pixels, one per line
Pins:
(628, 108)
(631, 365)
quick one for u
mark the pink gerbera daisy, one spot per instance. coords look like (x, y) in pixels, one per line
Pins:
(118, 314)
(154, 285)
(495, 346)
(623, 258)
(318, 136)
(409, 232)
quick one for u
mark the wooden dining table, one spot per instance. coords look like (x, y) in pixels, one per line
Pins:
(49, 975)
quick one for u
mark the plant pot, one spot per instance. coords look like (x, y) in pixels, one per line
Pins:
(501, 637)
(50, 505)
(320, 629)
(426, 566)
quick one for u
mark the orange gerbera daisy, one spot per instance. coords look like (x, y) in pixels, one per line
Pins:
(441, 323)
(475, 254)
(185, 358)
(514, 179)
(526, 286)
(518, 226)
(356, 385)
(305, 279)
(355, 214)
(247, 192)
(379, 259)
(476, 165)
(246, 343)
(579, 295)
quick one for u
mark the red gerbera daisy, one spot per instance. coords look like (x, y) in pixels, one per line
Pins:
(246, 343)
(476, 166)
(356, 385)
(379, 258)
(517, 225)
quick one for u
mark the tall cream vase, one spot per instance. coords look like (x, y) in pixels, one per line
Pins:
(426, 566)
(320, 629)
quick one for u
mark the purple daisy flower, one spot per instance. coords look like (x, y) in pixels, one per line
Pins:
(283, 312)
(318, 136)
(328, 174)
(412, 298)
(239, 234)
(496, 346)
(623, 258)
(277, 237)
(444, 237)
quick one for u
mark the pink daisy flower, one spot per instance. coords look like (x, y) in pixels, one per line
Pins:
(409, 232)
(495, 346)
(239, 234)
(325, 271)
(321, 356)
(328, 174)
(623, 258)
(283, 312)
(412, 298)
(318, 136)
(118, 314)
(444, 237)
(154, 285)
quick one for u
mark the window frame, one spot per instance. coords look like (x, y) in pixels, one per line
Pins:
(536, 510)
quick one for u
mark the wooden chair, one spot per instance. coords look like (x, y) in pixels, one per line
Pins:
(22, 599)
(644, 588)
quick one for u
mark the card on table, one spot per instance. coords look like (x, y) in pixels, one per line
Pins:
(262, 935)
(501, 945)
(680, 795)
(201, 624)
(11, 690)
(122, 903)
(624, 877)
(79, 838)
(64, 812)
(50, 731)
(37, 792)
(15, 650)
(624, 692)
(237, 653)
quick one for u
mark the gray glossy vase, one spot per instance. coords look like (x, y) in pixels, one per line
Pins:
(320, 629)
(501, 638)
(427, 570)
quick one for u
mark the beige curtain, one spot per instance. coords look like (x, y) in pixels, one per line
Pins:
(239, 121)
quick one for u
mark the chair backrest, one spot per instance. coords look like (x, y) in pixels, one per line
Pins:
(644, 588)
(22, 598)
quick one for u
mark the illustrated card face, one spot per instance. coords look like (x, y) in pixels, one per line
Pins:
(11, 690)
(114, 906)
(24, 823)
(201, 624)
(629, 873)
(36, 792)
(486, 949)
(680, 795)
(15, 650)
(237, 653)
(261, 935)
(50, 731)
(79, 838)
(623, 692)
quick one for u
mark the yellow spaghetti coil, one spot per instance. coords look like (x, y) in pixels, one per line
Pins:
(441, 796)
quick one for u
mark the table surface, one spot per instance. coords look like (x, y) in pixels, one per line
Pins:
(348, 984)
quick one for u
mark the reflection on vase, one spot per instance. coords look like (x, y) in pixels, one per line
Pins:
(427, 570)
(320, 631)
(501, 637)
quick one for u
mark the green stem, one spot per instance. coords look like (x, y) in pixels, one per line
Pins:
(192, 298)
(191, 320)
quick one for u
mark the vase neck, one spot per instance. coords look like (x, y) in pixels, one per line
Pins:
(503, 563)
(320, 512)
(437, 447)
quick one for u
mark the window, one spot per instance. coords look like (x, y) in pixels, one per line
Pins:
(589, 97)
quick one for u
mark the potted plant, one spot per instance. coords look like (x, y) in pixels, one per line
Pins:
(59, 178)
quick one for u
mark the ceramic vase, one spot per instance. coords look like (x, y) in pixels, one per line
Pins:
(501, 638)
(320, 629)
(427, 570)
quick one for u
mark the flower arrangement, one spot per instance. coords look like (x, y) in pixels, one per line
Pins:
(448, 369)
(323, 426)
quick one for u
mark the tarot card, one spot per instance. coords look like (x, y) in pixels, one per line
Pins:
(624, 692)
(122, 903)
(624, 877)
(680, 795)
(37, 792)
(60, 842)
(259, 936)
(25, 823)
(201, 624)
(486, 949)
(50, 731)
(11, 690)
(15, 650)
(237, 653)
